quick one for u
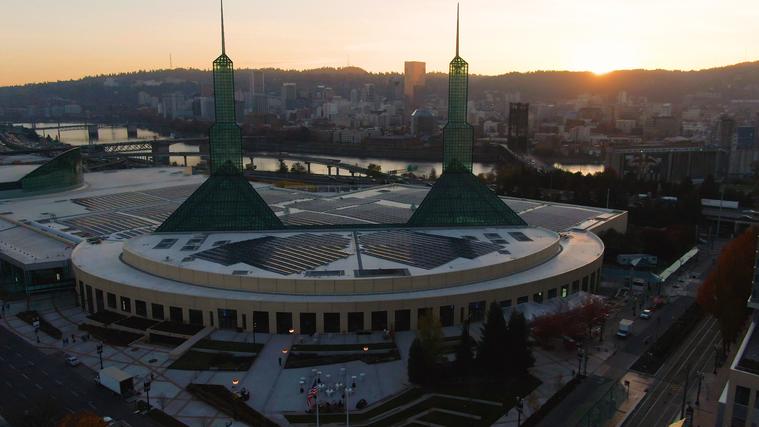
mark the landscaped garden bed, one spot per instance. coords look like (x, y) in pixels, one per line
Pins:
(202, 360)
(165, 340)
(45, 326)
(135, 322)
(342, 347)
(404, 398)
(227, 402)
(233, 346)
(159, 416)
(106, 317)
(110, 336)
(178, 328)
(551, 403)
(302, 360)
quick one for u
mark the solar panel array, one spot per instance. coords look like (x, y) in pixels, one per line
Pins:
(557, 218)
(378, 213)
(283, 255)
(421, 250)
(157, 213)
(521, 205)
(105, 223)
(116, 201)
(407, 196)
(179, 192)
(315, 218)
(324, 205)
(278, 196)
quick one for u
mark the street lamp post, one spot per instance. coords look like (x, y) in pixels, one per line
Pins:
(254, 332)
(348, 392)
(520, 407)
(698, 390)
(100, 354)
(147, 393)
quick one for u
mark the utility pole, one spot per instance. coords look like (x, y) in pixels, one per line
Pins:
(685, 390)
(719, 215)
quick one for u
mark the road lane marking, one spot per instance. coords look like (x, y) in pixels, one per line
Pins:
(26, 377)
(38, 386)
(58, 382)
(91, 405)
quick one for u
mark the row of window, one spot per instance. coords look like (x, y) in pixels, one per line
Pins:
(284, 322)
(741, 406)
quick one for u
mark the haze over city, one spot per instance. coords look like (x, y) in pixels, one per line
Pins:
(51, 41)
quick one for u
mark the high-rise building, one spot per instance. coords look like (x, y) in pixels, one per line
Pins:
(413, 83)
(289, 95)
(518, 126)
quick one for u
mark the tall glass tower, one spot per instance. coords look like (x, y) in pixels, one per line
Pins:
(457, 133)
(226, 137)
(225, 201)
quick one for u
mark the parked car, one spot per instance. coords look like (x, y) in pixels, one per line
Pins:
(646, 314)
(72, 360)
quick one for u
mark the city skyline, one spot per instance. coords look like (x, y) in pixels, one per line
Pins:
(499, 38)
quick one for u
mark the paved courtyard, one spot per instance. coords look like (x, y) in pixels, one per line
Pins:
(274, 390)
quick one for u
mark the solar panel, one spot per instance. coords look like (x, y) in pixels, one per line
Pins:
(116, 201)
(378, 213)
(156, 213)
(324, 205)
(520, 236)
(557, 218)
(493, 236)
(178, 192)
(283, 255)
(520, 205)
(315, 218)
(272, 197)
(421, 250)
(407, 196)
(165, 244)
(105, 224)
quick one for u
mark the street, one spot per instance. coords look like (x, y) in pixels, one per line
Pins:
(663, 402)
(36, 386)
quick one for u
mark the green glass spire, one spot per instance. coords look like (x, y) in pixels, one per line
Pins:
(458, 198)
(226, 201)
(457, 133)
(226, 137)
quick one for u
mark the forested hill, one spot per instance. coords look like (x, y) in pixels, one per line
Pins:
(740, 81)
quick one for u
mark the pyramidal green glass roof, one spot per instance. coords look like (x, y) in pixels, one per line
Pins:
(458, 198)
(225, 202)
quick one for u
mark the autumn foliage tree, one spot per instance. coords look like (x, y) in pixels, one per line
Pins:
(728, 286)
(82, 419)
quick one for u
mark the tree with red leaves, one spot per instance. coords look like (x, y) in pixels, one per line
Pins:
(727, 288)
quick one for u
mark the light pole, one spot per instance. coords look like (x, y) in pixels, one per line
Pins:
(348, 392)
(579, 362)
(100, 354)
(254, 332)
(698, 390)
(520, 407)
(147, 393)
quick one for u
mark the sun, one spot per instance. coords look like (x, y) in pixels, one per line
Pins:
(601, 58)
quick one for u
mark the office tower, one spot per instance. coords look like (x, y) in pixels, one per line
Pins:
(518, 126)
(413, 83)
(289, 95)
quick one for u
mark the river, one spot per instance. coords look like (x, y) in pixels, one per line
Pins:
(110, 134)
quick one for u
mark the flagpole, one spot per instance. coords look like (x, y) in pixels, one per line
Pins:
(317, 406)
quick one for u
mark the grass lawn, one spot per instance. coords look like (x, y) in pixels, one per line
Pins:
(227, 402)
(495, 391)
(45, 326)
(106, 317)
(242, 347)
(135, 322)
(110, 336)
(488, 413)
(446, 419)
(201, 361)
(302, 360)
(343, 347)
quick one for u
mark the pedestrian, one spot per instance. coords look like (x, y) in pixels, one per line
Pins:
(73, 338)
(280, 361)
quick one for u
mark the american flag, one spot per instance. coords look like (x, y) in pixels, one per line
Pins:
(311, 398)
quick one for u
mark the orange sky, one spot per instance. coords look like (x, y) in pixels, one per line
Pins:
(58, 40)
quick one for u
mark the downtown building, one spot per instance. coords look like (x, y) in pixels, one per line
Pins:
(223, 253)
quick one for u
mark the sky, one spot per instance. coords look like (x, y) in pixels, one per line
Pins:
(49, 40)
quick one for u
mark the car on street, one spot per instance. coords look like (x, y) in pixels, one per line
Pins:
(72, 360)
(646, 314)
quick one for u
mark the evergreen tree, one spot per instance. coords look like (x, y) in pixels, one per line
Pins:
(520, 354)
(464, 355)
(493, 353)
(417, 368)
